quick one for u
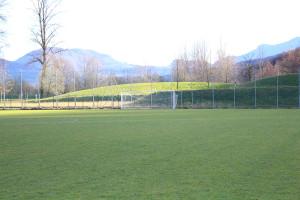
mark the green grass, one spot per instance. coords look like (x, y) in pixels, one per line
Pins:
(142, 88)
(152, 154)
(289, 80)
(115, 90)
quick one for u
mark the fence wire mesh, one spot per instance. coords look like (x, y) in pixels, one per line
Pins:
(273, 92)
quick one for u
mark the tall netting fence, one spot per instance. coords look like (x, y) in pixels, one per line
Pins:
(273, 92)
(86, 102)
(150, 99)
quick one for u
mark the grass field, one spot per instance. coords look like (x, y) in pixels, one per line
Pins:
(152, 154)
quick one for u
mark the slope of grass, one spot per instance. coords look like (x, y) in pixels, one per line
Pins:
(285, 80)
(142, 88)
(185, 154)
(290, 80)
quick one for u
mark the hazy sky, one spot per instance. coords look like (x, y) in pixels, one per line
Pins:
(156, 31)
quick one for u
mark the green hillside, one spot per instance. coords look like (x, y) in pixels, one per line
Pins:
(143, 88)
(283, 81)
(199, 95)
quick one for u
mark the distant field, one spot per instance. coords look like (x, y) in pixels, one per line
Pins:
(152, 154)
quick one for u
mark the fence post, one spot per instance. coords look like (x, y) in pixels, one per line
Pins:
(39, 96)
(213, 96)
(234, 96)
(122, 101)
(93, 101)
(255, 91)
(173, 100)
(21, 95)
(151, 103)
(277, 90)
(299, 87)
(1, 100)
(192, 99)
(4, 102)
(181, 100)
(68, 102)
(97, 101)
(26, 100)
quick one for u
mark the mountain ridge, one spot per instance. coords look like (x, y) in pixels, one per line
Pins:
(31, 70)
(270, 50)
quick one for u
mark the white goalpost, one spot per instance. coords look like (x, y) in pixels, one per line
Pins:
(149, 100)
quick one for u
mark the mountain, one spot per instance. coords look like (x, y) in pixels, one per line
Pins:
(266, 50)
(30, 71)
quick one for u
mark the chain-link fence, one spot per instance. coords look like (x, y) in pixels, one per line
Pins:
(273, 92)
(87, 102)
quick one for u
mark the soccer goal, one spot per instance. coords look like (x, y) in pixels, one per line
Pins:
(149, 100)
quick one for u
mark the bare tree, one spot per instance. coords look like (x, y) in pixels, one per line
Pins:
(44, 33)
(3, 4)
(68, 73)
(261, 62)
(91, 67)
(201, 66)
(54, 80)
(246, 68)
(225, 64)
(3, 70)
(181, 70)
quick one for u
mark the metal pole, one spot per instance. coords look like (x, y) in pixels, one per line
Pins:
(299, 87)
(39, 95)
(213, 96)
(3, 84)
(74, 87)
(68, 102)
(181, 100)
(4, 87)
(255, 90)
(39, 100)
(122, 101)
(56, 89)
(93, 101)
(192, 99)
(26, 101)
(97, 102)
(21, 95)
(151, 103)
(234, 96)
(277, 90)
(174, 100)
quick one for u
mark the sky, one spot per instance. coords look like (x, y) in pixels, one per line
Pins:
(154, 32)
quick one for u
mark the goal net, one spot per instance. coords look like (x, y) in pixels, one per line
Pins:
(148, 100)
